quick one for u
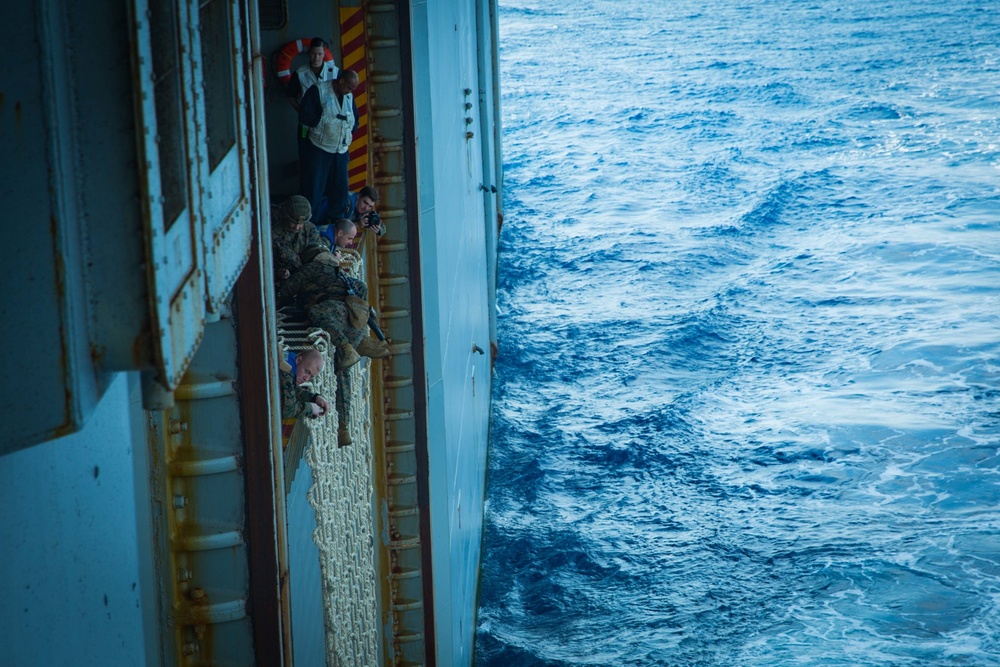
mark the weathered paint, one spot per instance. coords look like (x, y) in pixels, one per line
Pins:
(456, 302)
(72, 573)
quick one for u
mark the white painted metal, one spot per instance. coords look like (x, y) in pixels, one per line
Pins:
(224, 188)
(120, 287)
(488, 93)
(195, 258)
(60, 181)
(456, 305)
(174, 246)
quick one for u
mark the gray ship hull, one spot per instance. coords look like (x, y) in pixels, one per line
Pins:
(153, 515)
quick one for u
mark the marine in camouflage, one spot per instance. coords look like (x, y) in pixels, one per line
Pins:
(292, 233)
(316, 282)
(294, 399)
(320, 290)
(333, 316)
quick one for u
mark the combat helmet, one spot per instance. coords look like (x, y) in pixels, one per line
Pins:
(296, 210)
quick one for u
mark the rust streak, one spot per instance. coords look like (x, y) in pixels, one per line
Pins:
(59, 265)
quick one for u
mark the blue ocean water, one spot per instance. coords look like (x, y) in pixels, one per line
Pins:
(746, 405)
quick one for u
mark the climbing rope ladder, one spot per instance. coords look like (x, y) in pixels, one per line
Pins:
(341, 496)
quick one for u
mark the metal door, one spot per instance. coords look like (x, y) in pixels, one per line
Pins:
(166, 111)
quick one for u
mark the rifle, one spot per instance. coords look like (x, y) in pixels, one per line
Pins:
(372, 322)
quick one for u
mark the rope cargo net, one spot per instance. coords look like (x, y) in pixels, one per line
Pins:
(341, 496)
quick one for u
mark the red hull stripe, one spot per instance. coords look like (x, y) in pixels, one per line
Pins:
(352, 49)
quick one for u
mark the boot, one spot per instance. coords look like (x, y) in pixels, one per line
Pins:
(348, 356)
(371, 347)
(343, 435)
(357, 312)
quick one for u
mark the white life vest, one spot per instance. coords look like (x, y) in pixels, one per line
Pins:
(333, 134)
(308, 78)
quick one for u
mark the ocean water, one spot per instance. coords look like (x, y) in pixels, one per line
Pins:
(746, 405)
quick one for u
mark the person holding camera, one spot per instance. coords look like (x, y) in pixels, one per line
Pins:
(361, 210)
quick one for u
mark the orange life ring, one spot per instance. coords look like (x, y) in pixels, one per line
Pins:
(283, 59)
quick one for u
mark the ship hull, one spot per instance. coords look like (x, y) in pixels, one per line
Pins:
(153, 516)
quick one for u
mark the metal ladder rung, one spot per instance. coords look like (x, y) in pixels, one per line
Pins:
(395, 447)
(208, 542)
(396, 381)
(382, 43)
(400, 513)
(392, 246)
(397, 415)
(394, 314)
(401, 347)
(383, 78)
(196, 468)
(404, 604)
(387, 178)
(405, 543)
(388, 145)
(393, 279)
(399, 480)
(211, 614)
(198, 390)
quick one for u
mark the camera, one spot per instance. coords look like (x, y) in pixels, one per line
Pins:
(374, 220)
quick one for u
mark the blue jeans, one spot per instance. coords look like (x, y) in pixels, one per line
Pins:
(322, 175)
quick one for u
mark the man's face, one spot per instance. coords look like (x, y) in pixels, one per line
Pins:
(365, 204)
(307, 369)
(316, 57)
(345, 239)
(347, 84)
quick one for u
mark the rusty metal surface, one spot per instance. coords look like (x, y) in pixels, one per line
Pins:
(267, 528)
(404, 500)
(200, 517)
(269, 580)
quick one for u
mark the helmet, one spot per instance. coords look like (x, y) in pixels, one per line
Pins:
(316, 252)
(296, 210)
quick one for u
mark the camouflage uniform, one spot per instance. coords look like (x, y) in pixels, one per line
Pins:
(332, 317)
(318, 289)
(294, 398)
(288, 245)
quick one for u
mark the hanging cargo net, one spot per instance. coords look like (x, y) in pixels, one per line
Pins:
(341, 495)
(294, 336)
